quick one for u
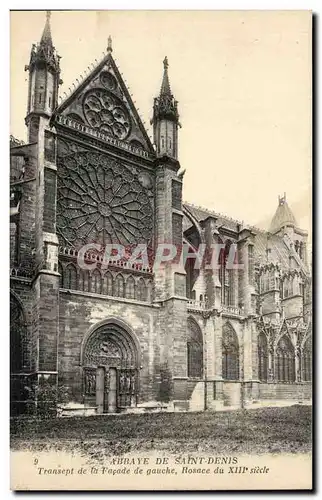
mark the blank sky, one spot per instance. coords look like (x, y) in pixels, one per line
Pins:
(243, 82)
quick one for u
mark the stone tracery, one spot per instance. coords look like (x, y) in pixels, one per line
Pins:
(105, 111)
(101, 201)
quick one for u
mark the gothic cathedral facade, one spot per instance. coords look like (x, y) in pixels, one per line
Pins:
(129, 335)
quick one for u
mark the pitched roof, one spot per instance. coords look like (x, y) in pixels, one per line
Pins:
(283, 216)
(201, 213)
(267, 247)
(271, 248)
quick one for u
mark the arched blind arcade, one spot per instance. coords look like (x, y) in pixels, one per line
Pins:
(194, 350)
(230, 354)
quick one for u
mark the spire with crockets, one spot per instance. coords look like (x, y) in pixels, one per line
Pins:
(165, 87)
(166, 118)
(44, 79)
(44, 52)
(46, 35)
(165, 106)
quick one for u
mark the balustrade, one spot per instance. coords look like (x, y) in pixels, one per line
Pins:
(197, 305)
(65, 120)
(232, 309)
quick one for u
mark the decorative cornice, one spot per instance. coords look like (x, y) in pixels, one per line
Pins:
(87, 135)
(167, 161)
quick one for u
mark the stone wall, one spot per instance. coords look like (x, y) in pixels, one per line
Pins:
(25, 157)
(285, 391)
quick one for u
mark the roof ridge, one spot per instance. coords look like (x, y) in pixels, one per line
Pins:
(219, 214)
(93, 71)
(84, 78)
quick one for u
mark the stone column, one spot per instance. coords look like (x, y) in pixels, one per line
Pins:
(209, 357)
(217, 363)
(244, 289)
(297, 364)
(170, 276)
(170, 282)
(250, 361)
(46, 282)
(271, 375)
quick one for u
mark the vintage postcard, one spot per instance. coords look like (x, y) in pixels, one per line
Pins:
(160, 270)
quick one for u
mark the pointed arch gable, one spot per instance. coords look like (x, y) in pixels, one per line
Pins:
(284, 331)
(261, 324)
(229, 331)
(106, 73)
(194, 330)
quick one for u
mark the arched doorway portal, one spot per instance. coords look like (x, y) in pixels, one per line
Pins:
(110, 360)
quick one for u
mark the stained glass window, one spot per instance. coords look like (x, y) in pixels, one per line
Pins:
(101, 201)
(307, 360)
(285, 360)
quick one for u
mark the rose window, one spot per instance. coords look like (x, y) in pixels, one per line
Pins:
(106, 112)
(108, 80)
(101, 201)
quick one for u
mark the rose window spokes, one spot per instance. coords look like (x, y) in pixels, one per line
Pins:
(106, 112)
(101, 203)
